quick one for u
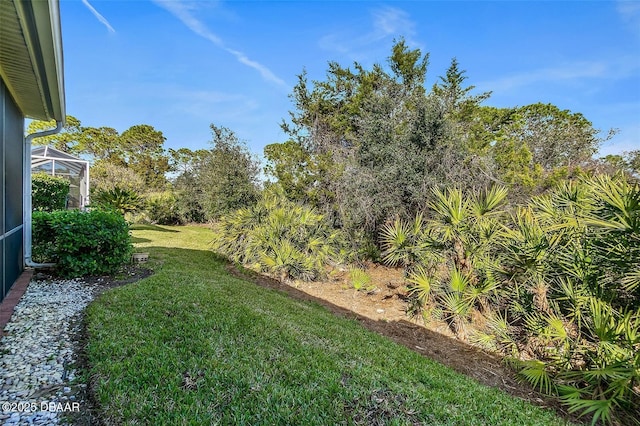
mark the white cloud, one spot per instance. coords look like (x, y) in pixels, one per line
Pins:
(629, 11)
(184, 12)
(625, 141)
(622, 67)
(556, 74)
(386, 23)
(207, 104)
(389, 21)
(97, 14)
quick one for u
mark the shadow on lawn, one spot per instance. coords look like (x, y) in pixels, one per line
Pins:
(483, 367)
(151, 228)
(138, 240)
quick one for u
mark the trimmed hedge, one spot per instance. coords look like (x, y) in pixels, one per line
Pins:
(81, 243)
(49, 193)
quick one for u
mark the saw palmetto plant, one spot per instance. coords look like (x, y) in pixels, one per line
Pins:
(278, 236)
(557, 282)
(451, 256)
(576, 253)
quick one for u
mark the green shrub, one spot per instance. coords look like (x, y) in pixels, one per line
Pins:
(49, 193)
(189, 208)
(81, 243)
(556, 281)
(162, 208)
(280, 237)
(119, 199)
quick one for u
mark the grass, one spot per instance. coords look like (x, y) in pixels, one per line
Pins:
(192, 345)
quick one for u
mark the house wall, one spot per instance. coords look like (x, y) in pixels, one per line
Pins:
(11, 184)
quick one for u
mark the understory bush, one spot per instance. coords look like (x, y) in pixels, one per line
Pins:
(554, 285)
(81, 243)
(49, 193)
(162, 208)
(280, 237)
(122, 200)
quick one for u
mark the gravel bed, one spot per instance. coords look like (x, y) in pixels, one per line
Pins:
(38, 384)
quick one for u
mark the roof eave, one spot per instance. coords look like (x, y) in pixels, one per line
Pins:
(41, 29)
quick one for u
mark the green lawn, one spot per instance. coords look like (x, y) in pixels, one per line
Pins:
(194, 345)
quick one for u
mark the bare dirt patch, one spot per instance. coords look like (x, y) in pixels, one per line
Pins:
(383, 310)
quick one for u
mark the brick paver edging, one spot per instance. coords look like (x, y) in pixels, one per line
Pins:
(13, 297)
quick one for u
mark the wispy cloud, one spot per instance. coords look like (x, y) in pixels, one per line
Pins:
(386, 23)
(185, 13)
(98, 16)
(629, 11)
(576, 72)
(206, 103)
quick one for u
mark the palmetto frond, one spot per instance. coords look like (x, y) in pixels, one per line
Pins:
(498, 335)
(486, 202)
(450, 210)
(404, 243)
(599, 408)
(422, 284)
(359, 278)
(535, 372)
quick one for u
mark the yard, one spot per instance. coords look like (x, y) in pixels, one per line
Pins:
(194, 344)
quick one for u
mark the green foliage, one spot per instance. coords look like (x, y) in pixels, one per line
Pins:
(296, 171)
(65, 141)
(556, 281)
(360, 279)
(138, 149)
(102, 144)
(106, 176)
(48, 193)
(121, 200)
(162, 208)
(188, 184)
(405, 243)
(278, 236)
(449, 256)
(367, 143)
(456, 98)
(227, 176)
(143, 152)
(555, 137)
(81, 243)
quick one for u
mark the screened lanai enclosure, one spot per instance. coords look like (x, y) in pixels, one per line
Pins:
(51, 161)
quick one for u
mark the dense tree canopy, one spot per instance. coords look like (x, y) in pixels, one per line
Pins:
(383, 141)
(139, 148)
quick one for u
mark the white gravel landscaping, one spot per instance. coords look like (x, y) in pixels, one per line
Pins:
(38, 382)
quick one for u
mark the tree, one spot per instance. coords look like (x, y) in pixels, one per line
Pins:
(228, 177)
(555, 137)
(384, 141)
(628, 162)
(100, 143)
(65, 141)
(297, 171)
(143, 152)
(409, 66)
(184, 160)
(106, 176)
(451, 91)
(188, 192)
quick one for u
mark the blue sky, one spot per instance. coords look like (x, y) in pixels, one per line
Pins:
(180, 66)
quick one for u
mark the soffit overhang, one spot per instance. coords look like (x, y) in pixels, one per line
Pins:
(31, 60)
